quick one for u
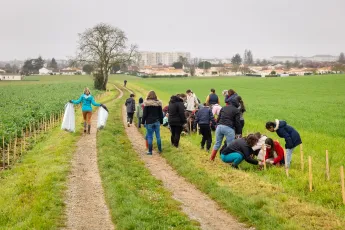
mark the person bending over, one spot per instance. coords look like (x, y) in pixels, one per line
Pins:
(291, 136)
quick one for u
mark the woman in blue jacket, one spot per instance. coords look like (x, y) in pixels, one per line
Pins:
(291, 136)
(87, 100)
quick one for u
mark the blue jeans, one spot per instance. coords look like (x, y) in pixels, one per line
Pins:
(150, 129)
(222, 131)
(235, 158)
(289, 156)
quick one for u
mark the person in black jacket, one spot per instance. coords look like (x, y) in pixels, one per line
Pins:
(177, 118)
(239, 150)
(152, 119)
(228, 123)
(291, 136)
(204, 117)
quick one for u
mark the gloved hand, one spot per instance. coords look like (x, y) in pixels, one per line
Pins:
(70, 101)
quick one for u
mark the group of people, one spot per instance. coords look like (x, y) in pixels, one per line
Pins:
(186, 113)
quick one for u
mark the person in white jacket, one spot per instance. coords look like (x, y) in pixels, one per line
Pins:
(192, 102)
(257, 148)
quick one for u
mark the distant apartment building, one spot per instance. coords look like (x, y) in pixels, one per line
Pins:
(315, 58)
(164, 58)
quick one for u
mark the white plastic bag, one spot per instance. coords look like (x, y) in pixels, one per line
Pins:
(102, 118)
(68, 122)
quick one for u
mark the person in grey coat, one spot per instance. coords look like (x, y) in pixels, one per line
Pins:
(130, 107)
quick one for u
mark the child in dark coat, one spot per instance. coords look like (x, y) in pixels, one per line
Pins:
(291, 136)
(204, 117)
(130, 107)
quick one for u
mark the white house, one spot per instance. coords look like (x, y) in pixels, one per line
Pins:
(10, 78)
(45, 71)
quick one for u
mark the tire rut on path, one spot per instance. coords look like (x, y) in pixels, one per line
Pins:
(194, 203)
(85, 204)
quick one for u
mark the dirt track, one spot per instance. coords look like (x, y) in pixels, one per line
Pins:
(85, 204)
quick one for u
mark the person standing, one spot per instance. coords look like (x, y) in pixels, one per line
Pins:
(152, 119)
(140, 110)
(204, 118)
(212, 98)
(125, 83)
(228, 124)
(130, 107)
(87, 100)
(191, 102)
(176, 118)
(291, 136)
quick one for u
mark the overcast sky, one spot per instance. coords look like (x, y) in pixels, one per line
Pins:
(216, 28)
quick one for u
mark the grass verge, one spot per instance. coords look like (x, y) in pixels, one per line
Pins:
(136, 199)
(248, 195)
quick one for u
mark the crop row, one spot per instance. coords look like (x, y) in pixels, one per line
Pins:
(22, 105)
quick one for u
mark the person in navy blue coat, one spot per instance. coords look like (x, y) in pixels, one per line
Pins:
(204, 118)
(291, 136)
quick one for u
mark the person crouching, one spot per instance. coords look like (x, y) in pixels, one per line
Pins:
(204, 117)
(239, 150)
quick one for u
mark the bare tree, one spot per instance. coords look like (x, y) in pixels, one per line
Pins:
(104, 46)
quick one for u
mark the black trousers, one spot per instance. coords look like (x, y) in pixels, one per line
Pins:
(242, 126)
(139, 122)
(175, 135)
(130, 117)
(205, 131)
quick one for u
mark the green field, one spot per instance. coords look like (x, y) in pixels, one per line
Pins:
(313, 105)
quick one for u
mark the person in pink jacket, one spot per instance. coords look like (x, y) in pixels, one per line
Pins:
(216, 109)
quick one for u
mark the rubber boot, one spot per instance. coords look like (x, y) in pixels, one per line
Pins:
(84, 127)
(88, 129)
(147, 144)
(213, 155)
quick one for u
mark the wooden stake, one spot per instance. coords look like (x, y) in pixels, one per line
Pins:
(302, 158)
(286, 164)
(263, 149)
(3, 152)
(327, 166)
(21, 147)
(342, 183)
(24, 138)
(45, 124)
(15, 150)
(310, 175)
(35, 133)
(190, 127)
(8, 155)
